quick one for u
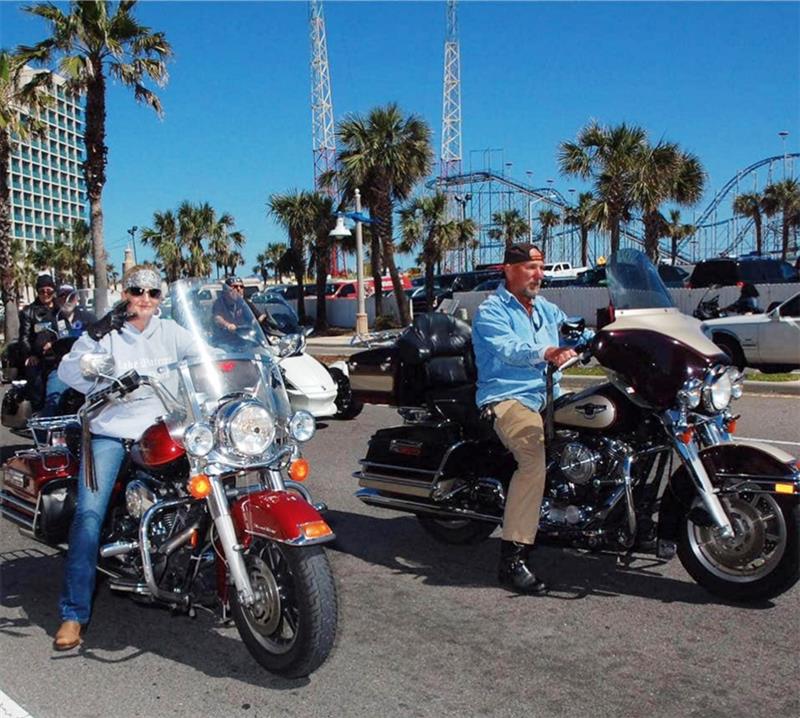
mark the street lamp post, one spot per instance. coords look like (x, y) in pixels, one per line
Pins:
(462, 201)
(132, 232)
(340, 231)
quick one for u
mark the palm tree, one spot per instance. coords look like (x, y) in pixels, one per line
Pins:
(547, 219)
(663, 173)
(164, 238)
(233, 259)
(297, 212)
(749, 205)
(782, 198)
(113, 275)
(72, 247)
(424, 223)
(21, 101)
(607, 155)
(220, 237)
(194, 222)
(384, 155)
(677, 231)
(585, 216)
(24, 270)
(509, 226)
(274, 256)
(324, 222)
(91, 42)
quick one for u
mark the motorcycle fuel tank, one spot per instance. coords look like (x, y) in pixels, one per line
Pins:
(588, 409)
(156, 447)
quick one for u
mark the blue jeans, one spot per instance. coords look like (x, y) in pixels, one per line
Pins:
(55, 388)
(84, 534)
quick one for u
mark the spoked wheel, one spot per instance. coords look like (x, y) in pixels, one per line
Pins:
(346, 406)
(457, 531)
(760, 561)
(290, 628)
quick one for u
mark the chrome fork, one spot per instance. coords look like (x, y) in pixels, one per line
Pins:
(221, 515)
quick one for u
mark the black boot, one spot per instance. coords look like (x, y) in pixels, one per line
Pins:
(514, 572)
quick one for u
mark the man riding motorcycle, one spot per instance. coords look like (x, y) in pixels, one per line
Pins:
(515, 336)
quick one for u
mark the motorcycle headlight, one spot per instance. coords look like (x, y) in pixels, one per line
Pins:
(717, 392)
(690, 394)
(290, 344)
(247, 427)
(302, 426)
(737, 382)
(198, 439)
(138, 498)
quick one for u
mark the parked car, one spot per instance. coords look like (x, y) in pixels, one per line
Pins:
(729, 271)
(671, 275)
(768, 341)
(488, 285)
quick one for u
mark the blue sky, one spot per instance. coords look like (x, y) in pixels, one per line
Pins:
(721, 79)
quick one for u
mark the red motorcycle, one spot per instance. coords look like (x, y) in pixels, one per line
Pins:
(208, 509)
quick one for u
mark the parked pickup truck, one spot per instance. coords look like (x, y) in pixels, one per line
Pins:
(562, 270)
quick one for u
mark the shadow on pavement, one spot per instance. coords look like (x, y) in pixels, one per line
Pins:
(122, 631)
(400, 544)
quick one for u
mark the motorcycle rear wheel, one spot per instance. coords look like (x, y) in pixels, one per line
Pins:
(291, 628)
(346, 406)
(457, 532)
(761, 561)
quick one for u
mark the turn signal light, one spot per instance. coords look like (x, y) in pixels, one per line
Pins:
(784, 488)
(686, 436)
(731, 426)
(315, 529)
(199, 486)
(299, 469)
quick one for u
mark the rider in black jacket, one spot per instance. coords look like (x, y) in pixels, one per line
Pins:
(35, 339)
(69, 322)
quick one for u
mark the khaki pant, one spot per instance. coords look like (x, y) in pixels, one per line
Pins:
(522, 433)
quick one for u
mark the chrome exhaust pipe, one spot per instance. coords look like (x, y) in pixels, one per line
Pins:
(120, 548)
(374, 498)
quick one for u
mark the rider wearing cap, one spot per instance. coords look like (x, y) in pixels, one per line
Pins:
(515, 335)
(137, 338)
(36, 338)
(230, 308)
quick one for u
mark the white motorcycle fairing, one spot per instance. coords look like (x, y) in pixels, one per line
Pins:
(309, 385)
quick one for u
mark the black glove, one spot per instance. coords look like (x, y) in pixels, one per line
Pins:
(111, 321)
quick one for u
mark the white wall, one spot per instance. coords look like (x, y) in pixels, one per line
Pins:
(342, 312)
(585, 301)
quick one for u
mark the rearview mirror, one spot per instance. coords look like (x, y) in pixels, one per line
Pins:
(97, 365)
(573, 327)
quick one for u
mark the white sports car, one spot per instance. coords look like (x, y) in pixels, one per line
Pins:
(769, 341)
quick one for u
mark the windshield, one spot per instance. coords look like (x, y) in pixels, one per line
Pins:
(280, 317)
(230, 355)
(633, 282)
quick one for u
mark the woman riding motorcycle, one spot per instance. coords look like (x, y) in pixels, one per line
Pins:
(136, 338)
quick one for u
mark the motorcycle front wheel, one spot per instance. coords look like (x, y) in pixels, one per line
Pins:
(291, 627)
(761, 561)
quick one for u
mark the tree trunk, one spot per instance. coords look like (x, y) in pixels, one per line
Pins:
(584, 246)
(95, 175)
(429, 285)
(385, 215)
(785, 234)
(651, 236)
(614, 222)
(759, 241)
(9, 299)
(377, 269)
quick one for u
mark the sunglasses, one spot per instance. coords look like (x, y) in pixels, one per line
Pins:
(45, 290)
(138, 292)
(237, 286)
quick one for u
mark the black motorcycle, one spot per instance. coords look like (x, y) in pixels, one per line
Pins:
(645, 461)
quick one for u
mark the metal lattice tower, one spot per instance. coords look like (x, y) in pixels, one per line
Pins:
(322, 127)
(450, 161)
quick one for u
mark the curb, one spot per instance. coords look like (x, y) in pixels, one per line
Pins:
(782, 388)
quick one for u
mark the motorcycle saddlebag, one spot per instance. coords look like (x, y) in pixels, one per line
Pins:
(407, 459)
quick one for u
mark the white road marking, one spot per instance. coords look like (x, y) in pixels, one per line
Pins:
(9, 709)
(769, 441)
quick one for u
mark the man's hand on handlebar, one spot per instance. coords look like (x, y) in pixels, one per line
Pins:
(559, 355)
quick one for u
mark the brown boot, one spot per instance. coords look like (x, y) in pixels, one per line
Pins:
(68, 636)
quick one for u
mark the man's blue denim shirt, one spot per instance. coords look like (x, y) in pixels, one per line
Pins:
(509, 348)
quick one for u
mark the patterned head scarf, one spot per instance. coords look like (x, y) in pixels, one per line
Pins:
(142, 277)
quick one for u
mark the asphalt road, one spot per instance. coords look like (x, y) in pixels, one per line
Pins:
(423, 630)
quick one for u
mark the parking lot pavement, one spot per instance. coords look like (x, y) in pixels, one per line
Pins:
(423, 629)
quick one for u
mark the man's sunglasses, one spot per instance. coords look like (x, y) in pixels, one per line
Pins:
(138, 292)
(237, 286)
(46, 290)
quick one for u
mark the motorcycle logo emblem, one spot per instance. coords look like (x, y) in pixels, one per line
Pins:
(590, 410)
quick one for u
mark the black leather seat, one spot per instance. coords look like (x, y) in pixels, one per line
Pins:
(441, 346)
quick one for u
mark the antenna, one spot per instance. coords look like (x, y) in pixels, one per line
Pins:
(322, 127)
(450, 161)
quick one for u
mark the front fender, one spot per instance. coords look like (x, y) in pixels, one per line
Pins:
(279, 516)
(747, 466)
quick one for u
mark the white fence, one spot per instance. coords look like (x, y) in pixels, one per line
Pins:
(342, 312)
